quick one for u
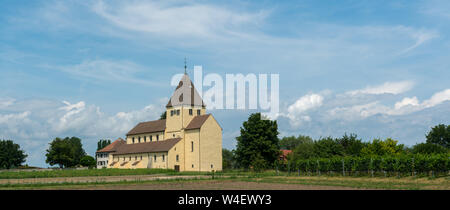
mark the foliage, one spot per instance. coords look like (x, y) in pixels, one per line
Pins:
(328, 147)
(65, 152)
(440, 135)
(163, 115)
(291, 142)
(379, 148)
(352, 146)
(103, 143)
(428, 148)
(304, 150)
(88, 161)
(228, 161)
(258, 143)
(10, 154)
(399, 163)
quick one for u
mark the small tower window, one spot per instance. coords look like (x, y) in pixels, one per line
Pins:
(171, 112)
(178, 158)
(192, 146)
(178, 112)
(198, 111)
(190, 111)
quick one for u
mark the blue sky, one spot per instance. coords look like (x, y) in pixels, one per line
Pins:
(94, 69)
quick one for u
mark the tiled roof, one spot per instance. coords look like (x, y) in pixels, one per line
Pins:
(148, 127)
(112, 147)
(185, 86)
(156, 146)
(197, 121)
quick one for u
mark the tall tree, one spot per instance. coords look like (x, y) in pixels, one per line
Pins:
(291, 142)
(163, 115)
(440, 135)
(257, 146)
(328, 147)
(102, 143)
(227, 159)
(88, 161)
(351, 144)
(304, 150)
(11, 155)
(65, 152)
(380, 147)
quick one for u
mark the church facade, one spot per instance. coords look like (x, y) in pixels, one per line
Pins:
(188, 139)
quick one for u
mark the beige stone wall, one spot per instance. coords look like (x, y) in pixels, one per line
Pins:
(192, 157)
(136, 137)
(210, 145)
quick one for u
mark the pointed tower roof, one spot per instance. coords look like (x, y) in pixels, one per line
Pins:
(185, 94)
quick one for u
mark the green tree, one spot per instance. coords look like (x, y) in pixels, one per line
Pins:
(257, 145)
(304, 150)
(88, 161)
(440, 135)
(328, 147)
(163, 115)
(11, 155)
(227, 159)
(351, 144)
(379, 148)
(428, 148)
(291, 142)
(65, 152)
(102, 143)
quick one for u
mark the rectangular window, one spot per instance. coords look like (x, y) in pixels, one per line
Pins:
(154, 157)
(141, 157)
(163, 158)
(133, 140)
(190, 111)
(178, 112)
(177, 158)
(171, 112)
(151, 138)
(192, 146)
(157, 137)
(198, 111)
(135, 157)
(145, 138)
(139, 139)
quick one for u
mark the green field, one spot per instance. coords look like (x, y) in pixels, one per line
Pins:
(223, 180)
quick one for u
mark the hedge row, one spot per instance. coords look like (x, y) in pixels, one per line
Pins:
(403, 163)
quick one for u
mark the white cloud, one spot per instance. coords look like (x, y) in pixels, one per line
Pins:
(437, 98)
(386, 88)
(5, 102)
(177, 20)
(296, 111)
(406, 102)
(107, 70)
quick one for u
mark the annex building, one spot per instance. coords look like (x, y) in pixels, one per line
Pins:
(188, 139)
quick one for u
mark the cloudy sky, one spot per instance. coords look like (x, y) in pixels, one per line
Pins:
(94, 69)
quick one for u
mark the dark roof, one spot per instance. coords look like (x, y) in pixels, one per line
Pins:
(112, 147)
(197, 121)
(156, 146)
(187, 87)
(148, 127)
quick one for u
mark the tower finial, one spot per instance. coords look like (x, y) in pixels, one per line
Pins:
(185, 65)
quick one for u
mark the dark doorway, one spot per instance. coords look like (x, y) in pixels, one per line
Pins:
(177, 168)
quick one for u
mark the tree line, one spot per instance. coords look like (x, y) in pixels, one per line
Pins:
(65, 152)
(258, 146)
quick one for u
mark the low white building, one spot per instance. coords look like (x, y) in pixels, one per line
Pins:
(103, 154)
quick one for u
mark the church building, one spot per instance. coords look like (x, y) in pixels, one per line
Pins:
(188, 139)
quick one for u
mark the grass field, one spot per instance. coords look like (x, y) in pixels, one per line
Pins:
(155, 179)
